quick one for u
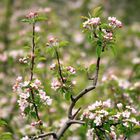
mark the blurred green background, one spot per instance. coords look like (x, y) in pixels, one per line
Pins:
(64, 21)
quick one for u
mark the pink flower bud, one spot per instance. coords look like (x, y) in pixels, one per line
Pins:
(31, 15)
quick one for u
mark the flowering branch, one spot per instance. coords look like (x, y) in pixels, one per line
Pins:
(101, 117)
(32, 74)
(85, 91)
(75, 100)
(59, 65)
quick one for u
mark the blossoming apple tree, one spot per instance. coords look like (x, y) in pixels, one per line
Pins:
(102, 120)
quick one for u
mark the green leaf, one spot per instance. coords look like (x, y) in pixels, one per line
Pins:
(83, 17)
(6, 136)
(37, 39)
(91, 68)
(67, 95)
(63, 43)
(90, 37)
(27, 48)
(27, 110)
(99, 43)
(42, 58)
(26, 20)
(33, 114)
(97, 11)
(50, 50)
(2, 122)
(40, 18)
(105, 26)
(98, 51)
(113, 48)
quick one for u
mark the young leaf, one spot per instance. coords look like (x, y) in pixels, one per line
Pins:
(98, 51)
(67, 95)
(105, 26)
(2, 122)
(63, 43)
(6, 136)
(33, 114)
(83, 17)
(91, 68)
(28, 20)
(113, 48)
(97, 11)
(40, 18)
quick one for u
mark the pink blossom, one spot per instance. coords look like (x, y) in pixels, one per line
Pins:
(93, 21)
(52, 41)
(23, 104)
(3, 57)
(31, 15)
(113, 135)
(45, 98)
(119, 105)
(55, 84)
(108, 36)
(114, 22)
(53, 66)
(37, 82)
(19, 79)
(71, 69)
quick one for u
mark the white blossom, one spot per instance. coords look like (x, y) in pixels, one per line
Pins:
(98, 121)
(55, 84)
(25, 138)
(90, 133)
(119, 105)
(22, 104)
(126, 114)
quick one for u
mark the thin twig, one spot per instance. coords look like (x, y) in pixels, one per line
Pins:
(32, 74)
(59, 65)
(75, 114)
(45, 135)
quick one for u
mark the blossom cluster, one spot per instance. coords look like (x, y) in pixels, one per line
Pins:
(95, 25)
(31, 15)
(91, 22)
(113, 22)
(25, 138)
(24, 91)
(23, 60)
(107, 35)
(57, 83)
(36, 123)
(52, 41)
(103, 113)
(94, 22)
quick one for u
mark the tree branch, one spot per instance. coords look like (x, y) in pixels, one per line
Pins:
(45, 135)
(32, 74)
(66, 126)
(74, 100)
(85, 91)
